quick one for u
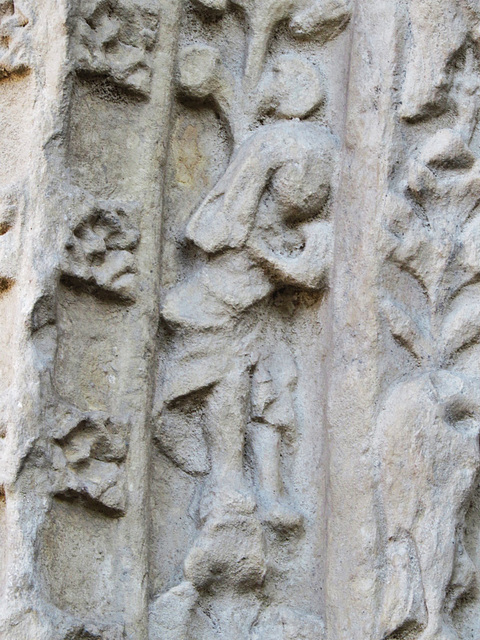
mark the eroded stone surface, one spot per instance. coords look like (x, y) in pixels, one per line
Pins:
(239, 277)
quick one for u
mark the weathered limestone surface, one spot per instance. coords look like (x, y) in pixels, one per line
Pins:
(240, 313)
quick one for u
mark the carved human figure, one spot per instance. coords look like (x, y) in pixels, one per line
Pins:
(227, 405)
(261, 228)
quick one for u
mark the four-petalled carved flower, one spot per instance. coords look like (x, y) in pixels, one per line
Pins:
(100, 252)
(115, 41)
(88, 459)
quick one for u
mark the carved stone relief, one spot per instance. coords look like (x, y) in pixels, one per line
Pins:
(427, 434)
(114, 40)
(260, 239)
(14, 40)
(239, 276)
(100, 251)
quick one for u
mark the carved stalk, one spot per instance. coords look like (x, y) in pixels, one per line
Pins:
(426, 442)
(158, 118)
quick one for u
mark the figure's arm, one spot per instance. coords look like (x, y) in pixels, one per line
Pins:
(227, 215)
(308, 269)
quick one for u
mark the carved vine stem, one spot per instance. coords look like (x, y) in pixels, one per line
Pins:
(428, 427)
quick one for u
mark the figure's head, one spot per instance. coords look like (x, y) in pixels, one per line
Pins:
(198, 71)
(292, 88)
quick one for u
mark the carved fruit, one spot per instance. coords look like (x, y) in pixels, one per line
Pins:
(427, 444)
(198, 69)
(229, 552)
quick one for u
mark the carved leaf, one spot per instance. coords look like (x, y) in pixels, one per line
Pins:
(324, 19)
(439, 29)
(407, 330)
(115, 40)
(447, 150)
(462, 327)
(178, 432)
(13, 39)
(180, 437)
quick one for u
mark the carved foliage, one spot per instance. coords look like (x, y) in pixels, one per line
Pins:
(429, 422)
(14, 47)
(100, 252)
(115, 39)
(88, 457)
(305, 18)
(289, 88)
(435, 239)
(11, 201)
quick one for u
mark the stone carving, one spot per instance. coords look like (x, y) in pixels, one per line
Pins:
(228, 395)
(249, 245)
(100, 252)
(428, 427)
(431, 69)
(11, 199)
(217, 357)
(181, 423)
(269, 231)
(429, 423)
(305, 18)
(87, 458)
(114, 39)
(14, 49)
(427, 438)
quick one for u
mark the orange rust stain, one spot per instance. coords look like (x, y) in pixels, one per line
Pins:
(190, 163)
